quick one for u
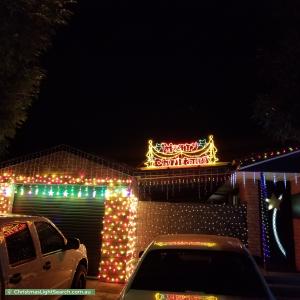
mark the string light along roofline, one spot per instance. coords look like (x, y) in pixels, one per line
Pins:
(59, 179)
(258, 159)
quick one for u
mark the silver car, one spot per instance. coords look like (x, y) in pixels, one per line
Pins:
(194, 267)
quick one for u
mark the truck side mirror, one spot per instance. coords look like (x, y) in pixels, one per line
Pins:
(72, 243)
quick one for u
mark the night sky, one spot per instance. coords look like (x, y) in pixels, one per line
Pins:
(122, 73)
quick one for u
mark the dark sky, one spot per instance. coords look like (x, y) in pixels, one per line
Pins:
(121, 73)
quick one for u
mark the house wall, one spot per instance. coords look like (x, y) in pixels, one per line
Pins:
(249, 196)
(295, 189)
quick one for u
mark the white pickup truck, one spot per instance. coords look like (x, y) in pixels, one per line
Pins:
(34, 254)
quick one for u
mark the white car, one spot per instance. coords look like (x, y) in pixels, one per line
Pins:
(34, 254)
(194, 267)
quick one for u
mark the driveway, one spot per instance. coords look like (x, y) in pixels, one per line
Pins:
(104, 291)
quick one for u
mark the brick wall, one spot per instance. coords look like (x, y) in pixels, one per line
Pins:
(156, 218)
(295, 189)
(296, 224)
(249, 195)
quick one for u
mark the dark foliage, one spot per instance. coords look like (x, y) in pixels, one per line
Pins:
(277, 104)
(26, 28)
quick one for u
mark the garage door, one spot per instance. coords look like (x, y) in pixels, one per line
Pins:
(75, 217)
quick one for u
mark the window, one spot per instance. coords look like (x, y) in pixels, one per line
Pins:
(19, 243)
(50, 239)
(209, 272)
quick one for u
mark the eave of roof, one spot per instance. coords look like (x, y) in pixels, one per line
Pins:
(265, 161)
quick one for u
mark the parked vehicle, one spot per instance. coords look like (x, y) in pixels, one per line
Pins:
(34, 254)
(196, 267)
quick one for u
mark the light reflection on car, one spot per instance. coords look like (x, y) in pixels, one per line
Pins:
(164, 296)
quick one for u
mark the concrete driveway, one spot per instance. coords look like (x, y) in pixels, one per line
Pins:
(104, 291)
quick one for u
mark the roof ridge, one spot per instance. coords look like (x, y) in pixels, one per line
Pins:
(70, 149)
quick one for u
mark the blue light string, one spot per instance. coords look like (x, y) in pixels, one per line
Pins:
(264, 218)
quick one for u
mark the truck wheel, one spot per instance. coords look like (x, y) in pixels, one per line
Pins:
(79, 280)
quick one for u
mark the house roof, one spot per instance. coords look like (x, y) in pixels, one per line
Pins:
(287, 161)
(126, 169)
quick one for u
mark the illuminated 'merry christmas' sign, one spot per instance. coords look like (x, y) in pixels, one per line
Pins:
(168, 155)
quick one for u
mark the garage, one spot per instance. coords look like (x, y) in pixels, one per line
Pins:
(75, 216)
(84, 195)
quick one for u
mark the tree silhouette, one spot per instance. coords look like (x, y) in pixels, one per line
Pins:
(277, 104)
(26, 28)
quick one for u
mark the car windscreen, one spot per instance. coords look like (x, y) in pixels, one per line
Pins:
(208, 272)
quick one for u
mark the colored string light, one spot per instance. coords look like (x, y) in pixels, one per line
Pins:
(52, 186)
(267, 155)
(55, 179)
(118, 236)
(177, 155)
(61, 191)
(119, 223)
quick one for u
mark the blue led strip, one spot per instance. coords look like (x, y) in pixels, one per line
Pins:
(264, 218)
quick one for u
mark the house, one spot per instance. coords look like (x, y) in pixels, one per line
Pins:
(116, 210)
(269, 186)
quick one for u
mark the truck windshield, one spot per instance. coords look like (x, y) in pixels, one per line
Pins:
(208, 272)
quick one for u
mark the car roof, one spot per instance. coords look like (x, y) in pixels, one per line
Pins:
(5, 218)
(197, 241)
